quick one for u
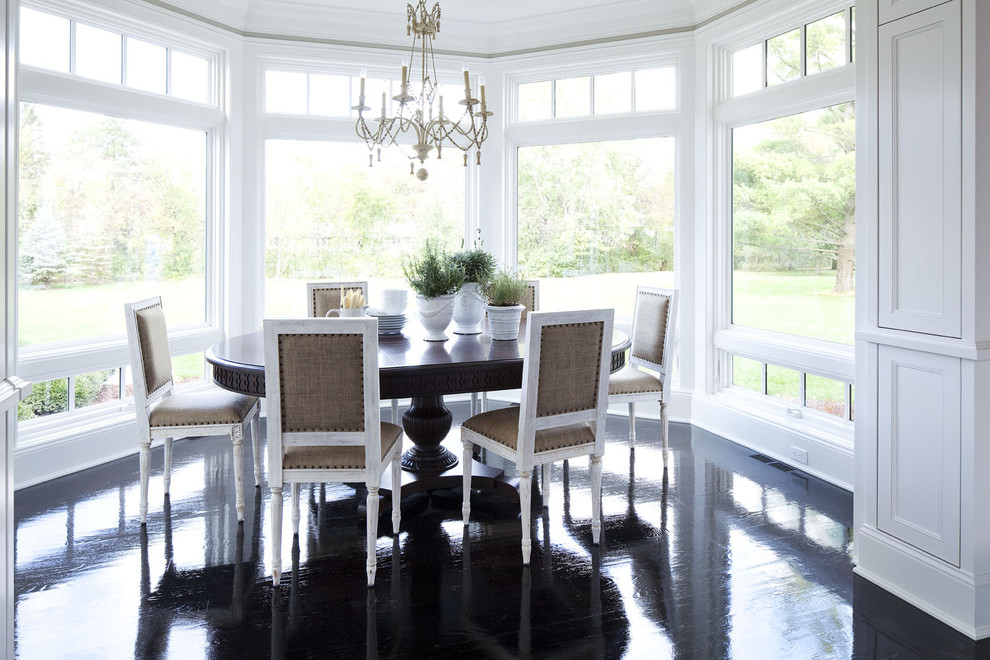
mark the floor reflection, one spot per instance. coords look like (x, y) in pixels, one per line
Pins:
(724, 554)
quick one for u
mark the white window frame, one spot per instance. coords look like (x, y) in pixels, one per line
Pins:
(315, 128)
(592, 128)
(803, 354)
(58, 360)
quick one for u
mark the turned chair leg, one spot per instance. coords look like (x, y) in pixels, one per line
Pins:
(237, 437)
(632, 424)
(276, 534)
(596, 499)
(525, 507)
(294, 490)
(466, 461)
(396, 492)
(168, 464)
(145, 469)
(256, 449)
(372, 521)
(663, 430)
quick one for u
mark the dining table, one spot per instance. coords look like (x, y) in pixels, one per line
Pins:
(424, 372)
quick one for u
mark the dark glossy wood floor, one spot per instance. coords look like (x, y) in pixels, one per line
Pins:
(726, 554)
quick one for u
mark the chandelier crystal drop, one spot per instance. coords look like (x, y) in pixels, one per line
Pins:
(421, 115)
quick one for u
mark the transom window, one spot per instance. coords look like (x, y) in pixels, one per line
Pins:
(640, 90)
(333, 95)
(821, 45)
(68, 46)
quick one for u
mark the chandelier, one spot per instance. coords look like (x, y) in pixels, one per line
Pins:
(421, 113)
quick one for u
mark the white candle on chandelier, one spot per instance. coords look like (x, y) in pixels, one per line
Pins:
(405, 70)
(364, 74)
(383, 104)
(481, 83)
(467, 79)
(441, 108)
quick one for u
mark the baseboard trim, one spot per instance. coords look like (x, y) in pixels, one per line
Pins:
(943, 591)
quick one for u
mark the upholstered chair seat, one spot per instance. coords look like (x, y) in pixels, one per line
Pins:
(561, 414)
(631, 380)
(321, 393)
(163, 413)
(646, 377)
(202, 408)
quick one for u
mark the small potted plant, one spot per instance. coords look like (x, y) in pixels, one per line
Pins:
(435, 277)
(478, 265)
(502, 292)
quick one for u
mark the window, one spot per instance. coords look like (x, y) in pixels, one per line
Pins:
(599, 217)
(797, 391)
(820, 45)
(642, 90)
(109, 56)
(330, 216)
(110, 209)
(115, 204)
(794, 224)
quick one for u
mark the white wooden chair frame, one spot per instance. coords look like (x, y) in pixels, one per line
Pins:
(144, 401)
(371, 475)
(662, 370)
(524, 455)
(313, 287)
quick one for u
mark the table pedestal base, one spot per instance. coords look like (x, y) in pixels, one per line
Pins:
(426, 423)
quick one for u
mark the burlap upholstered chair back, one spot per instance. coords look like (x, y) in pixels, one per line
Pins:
(653, 328)
(531, 299)
(321, 297)
(151, 361)
(565, 372)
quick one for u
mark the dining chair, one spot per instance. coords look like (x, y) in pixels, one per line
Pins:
(562, 409)
(324, 420)
(646, 376)
(531, 300)
(163, 413)
(324, 296)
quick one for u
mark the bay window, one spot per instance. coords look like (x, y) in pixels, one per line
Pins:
(119, 136)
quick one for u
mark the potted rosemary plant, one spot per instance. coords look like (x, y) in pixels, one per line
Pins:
(478, 265)
(502, 292)
(435, 277)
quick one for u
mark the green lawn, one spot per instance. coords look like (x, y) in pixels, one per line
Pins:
(795, 304)
(50, 315)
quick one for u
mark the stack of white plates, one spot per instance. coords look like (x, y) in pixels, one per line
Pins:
(390, 324)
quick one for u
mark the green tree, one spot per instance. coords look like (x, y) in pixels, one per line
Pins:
(794, 204)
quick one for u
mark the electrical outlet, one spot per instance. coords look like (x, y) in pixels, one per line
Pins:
(799, 455)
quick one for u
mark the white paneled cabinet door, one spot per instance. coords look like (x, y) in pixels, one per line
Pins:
(891, 10)
(920, 159)
(918, 453)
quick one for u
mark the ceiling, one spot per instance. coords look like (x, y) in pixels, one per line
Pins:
(497, 27)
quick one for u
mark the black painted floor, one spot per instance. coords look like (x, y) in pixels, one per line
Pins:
(726, 555)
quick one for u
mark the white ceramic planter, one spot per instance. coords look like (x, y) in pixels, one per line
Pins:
(503, 322)
(469, 309)
(435, 315)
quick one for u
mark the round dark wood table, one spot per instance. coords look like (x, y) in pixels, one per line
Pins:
(421, 371)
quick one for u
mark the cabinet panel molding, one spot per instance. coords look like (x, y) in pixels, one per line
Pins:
(891, 10)
(920, 178)
(919, 445)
